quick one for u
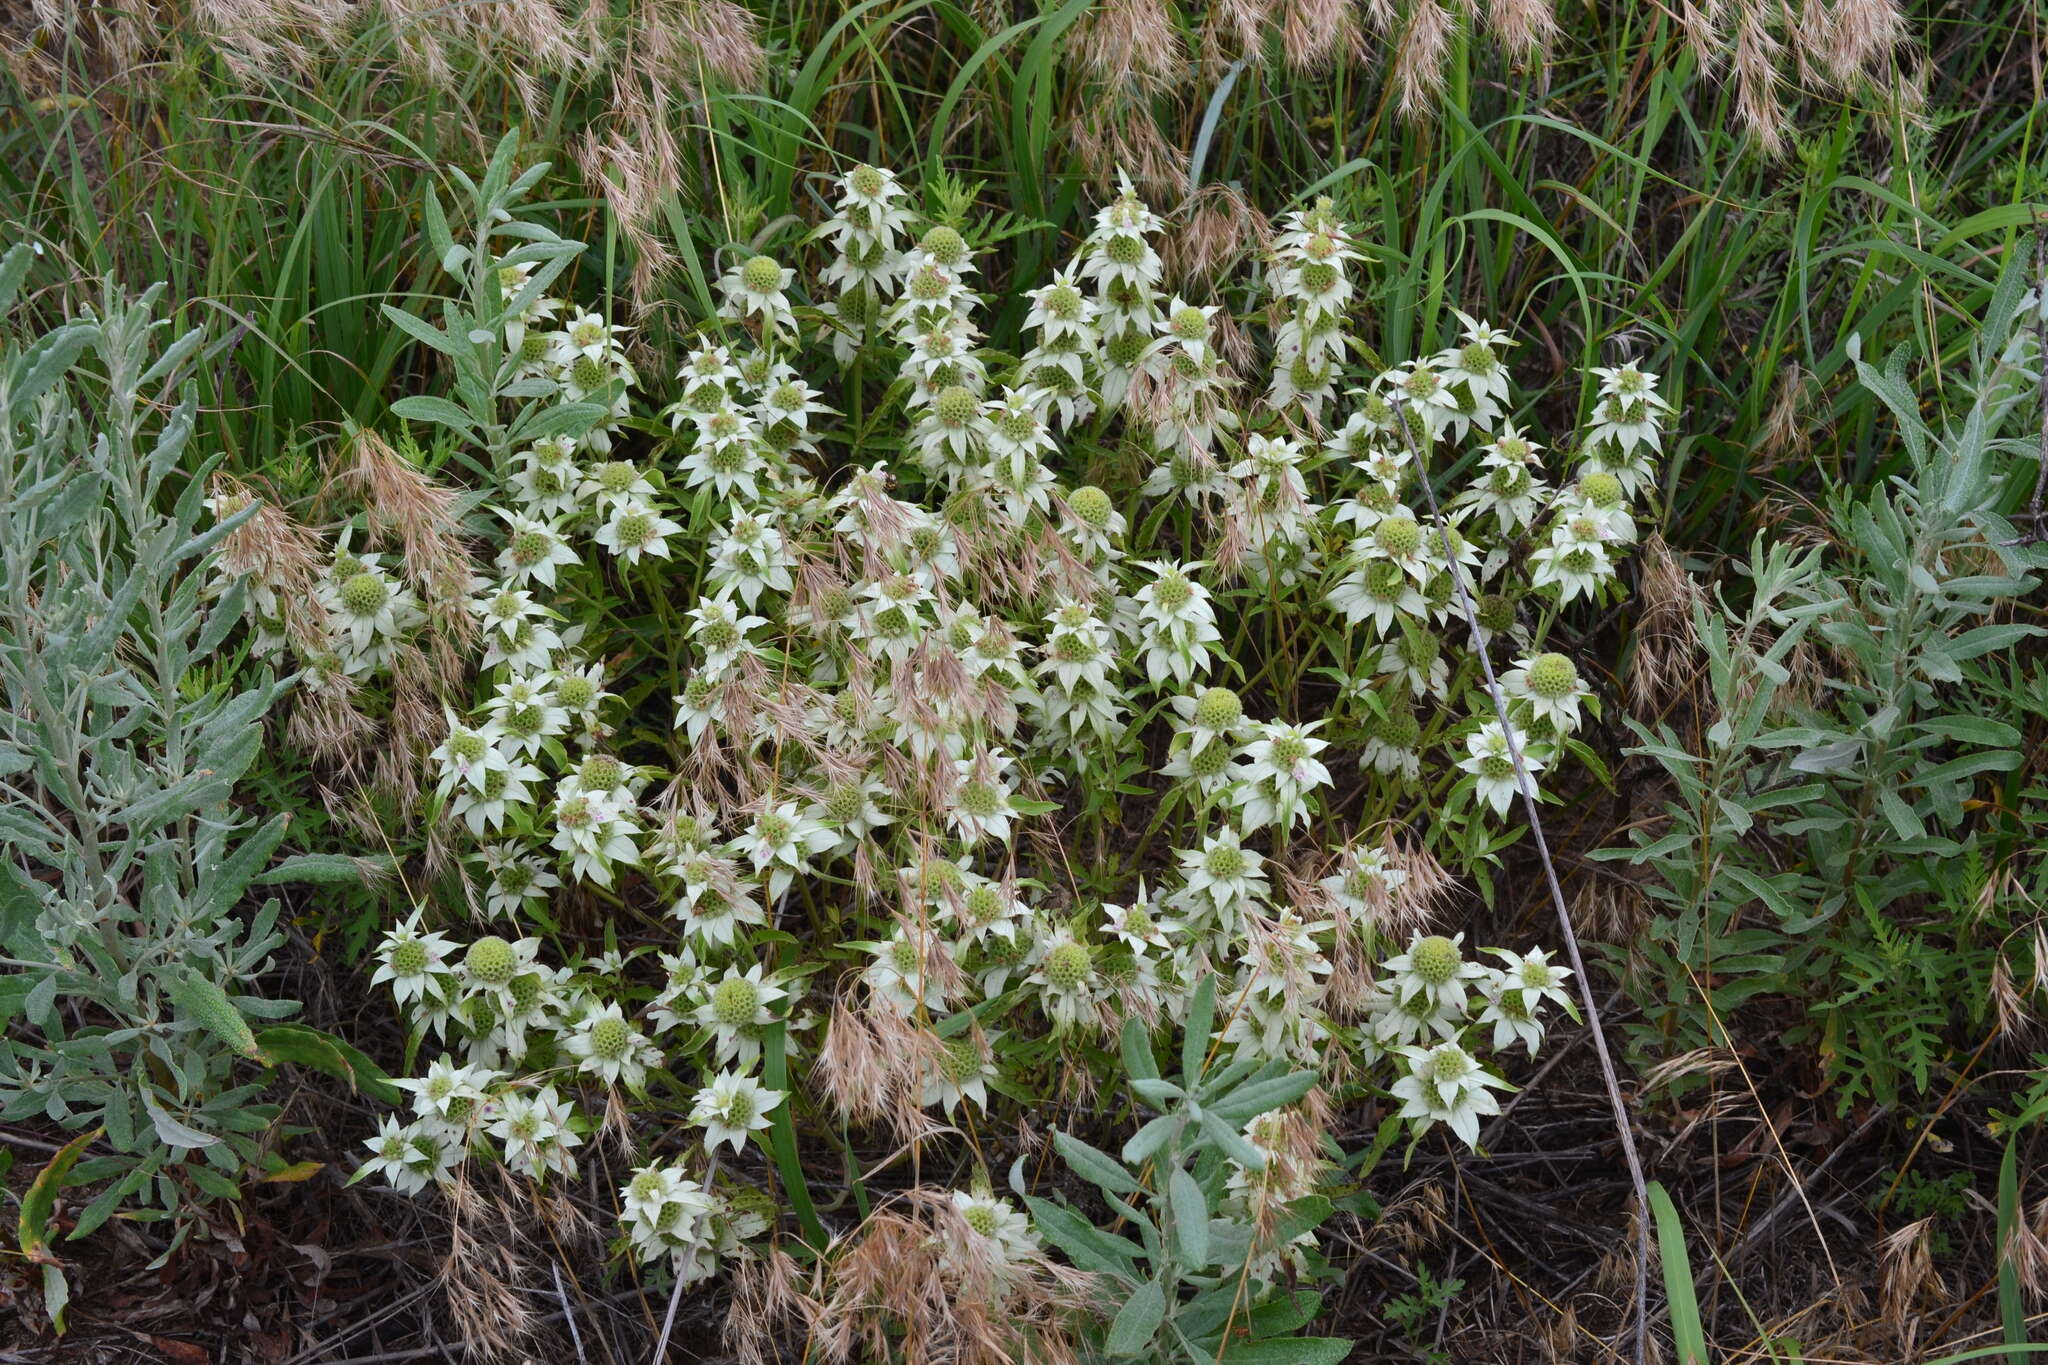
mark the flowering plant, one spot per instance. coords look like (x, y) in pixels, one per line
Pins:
(908, 768)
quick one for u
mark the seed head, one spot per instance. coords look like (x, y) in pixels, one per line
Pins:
(575, 691)
(945, 246)
(1224, 862)
(735, 1001)
(956, 407)
(490, 960)
(1069, 964)
(1091, 505)
(609, 1037)
(1436, 959)
(1190, 324)
(600, 772)
(1218, 709)
(1601, 489)
(1399, 536)
(525, 991)
(363, 593)
(761, 275)
(1552, 676)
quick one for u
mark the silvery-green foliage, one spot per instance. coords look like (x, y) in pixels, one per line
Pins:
(1206, 1260)
(507, 267)
(1874, 921)
(122, 735)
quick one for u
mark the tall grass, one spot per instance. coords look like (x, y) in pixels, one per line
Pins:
(1609, 198)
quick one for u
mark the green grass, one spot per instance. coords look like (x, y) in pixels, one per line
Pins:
(1611, 205)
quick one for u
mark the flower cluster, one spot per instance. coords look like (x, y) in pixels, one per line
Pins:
(978, 756)
(1426, 1016)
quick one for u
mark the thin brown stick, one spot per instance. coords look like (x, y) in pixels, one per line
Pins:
(1527, 787)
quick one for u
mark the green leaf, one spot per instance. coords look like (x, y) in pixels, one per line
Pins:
(1190, 1219)
(1136, 1321)
(782, 1136)
(202, 1002)
(1288, 1351)
(1233, 1143)
(1201, 1016)
(1149, 1139)
(1095, 1166)
(1087, 1246)
(2012, 1305)
(170, 1130)
(422, 407)
(1254, 1098)
(568, 419)
(33, 1227)
(1687, 1334)
(324, 1052)
(1980, 730)
(1905, 822)
(1157, 1093)
(322, 869)
(56, 1295)
(111, 1198)
(422, 331)
(1136, 1043)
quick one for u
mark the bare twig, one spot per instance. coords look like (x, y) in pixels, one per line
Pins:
(675, 1297)
(1527, 787)
(575, 1334)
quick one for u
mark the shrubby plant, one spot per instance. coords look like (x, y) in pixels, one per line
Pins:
(1851, 721)
(833, 683)
(130, 985)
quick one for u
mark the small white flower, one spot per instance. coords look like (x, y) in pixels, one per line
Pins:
(960, 1071)
(1445, 1085)
(415, 963)
(781, 841)
(535, 1133)
(1223, 877)
(408, 1158)
(1549, 687)
(534, 550)
(1433, 974)
(1004, 1229)
(1492, 767)
(732, 1107)
(735, 1009)
(610, 1048)
(635, 529)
